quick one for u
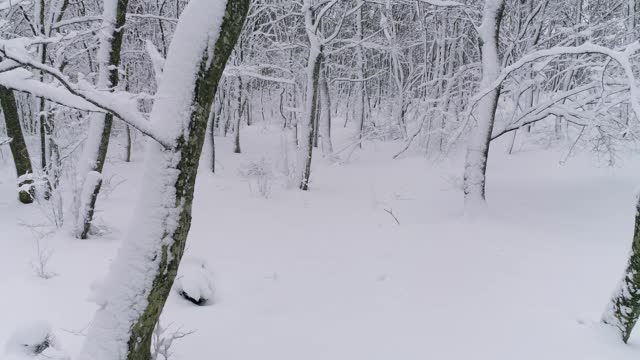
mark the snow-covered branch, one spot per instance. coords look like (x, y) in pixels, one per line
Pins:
(79, 95)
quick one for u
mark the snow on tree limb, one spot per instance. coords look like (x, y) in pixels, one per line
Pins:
(79, 95)
(443, 3)
(621, 57)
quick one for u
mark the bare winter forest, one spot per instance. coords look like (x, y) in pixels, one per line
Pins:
(319, 179)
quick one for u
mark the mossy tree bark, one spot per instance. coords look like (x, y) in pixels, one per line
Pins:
(624, 308)
(188, 151)
(18, 146)
(97, 153)
(141, 276)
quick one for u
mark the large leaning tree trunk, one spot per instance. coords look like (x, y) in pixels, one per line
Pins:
(624, 308)
(97, 144)
(478, 149)
(18, 146)
(141, 276)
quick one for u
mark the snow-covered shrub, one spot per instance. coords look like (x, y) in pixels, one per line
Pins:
(194, 281)
(260, 176)
(34, 341)
(40, 262)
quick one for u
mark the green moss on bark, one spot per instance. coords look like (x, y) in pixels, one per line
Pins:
(188, 149)
(624, 309)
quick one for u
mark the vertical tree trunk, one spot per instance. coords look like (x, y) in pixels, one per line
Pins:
(212, 133)
(143, 272)
(624, 308)
(95, 152)
(359, 110)
(478, 148)
(127, 157)
(39, 12)
(325, 110)
(18, 146)
(306, 144)
(236, 146)
(316, 123)
(397, 70)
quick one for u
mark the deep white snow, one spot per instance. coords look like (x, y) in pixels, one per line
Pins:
(329, 274)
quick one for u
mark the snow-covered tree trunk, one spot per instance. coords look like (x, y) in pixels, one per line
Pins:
(18, 146)
(97, 144)
(359, 105)
(478, 147)
(46, 13)
(133, 295)
(624, 309)
(239, 113)
(325, 110)
(310, 113)
(311, 101)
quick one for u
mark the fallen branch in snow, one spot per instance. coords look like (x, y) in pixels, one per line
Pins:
(390, 212)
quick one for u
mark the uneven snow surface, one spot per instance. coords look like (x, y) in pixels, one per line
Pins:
(329, 274)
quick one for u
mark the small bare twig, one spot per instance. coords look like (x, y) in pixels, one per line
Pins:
(41, 263)
(162, 341)
(390, 212)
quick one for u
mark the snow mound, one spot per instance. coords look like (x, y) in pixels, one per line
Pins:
(194, 281)
(33, 341)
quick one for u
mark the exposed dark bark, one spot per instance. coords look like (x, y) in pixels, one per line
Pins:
(236, 146)
(480, 139)
(215, 115)
(114, 63)
(188, 151)
(18, 146)
(325, 109)
(127, 156)
(315, 62)
(624, 308)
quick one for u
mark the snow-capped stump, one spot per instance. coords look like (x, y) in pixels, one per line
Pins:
(35, 340)
(194, 281)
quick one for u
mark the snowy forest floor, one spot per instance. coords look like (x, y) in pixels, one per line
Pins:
(329, 274)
